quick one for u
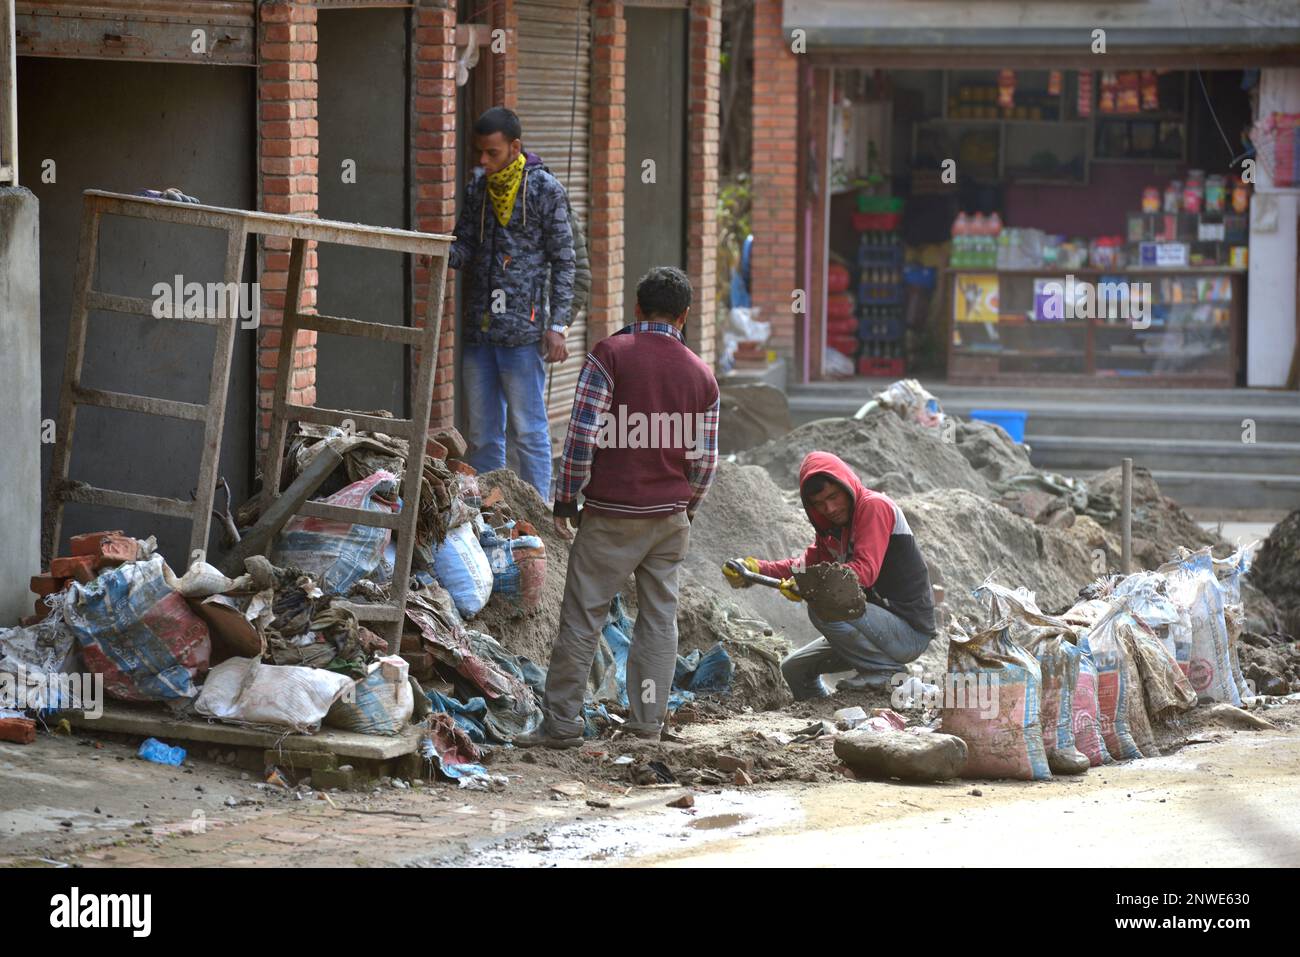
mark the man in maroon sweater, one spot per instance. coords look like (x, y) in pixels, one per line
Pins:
(868, 532)
(642, 448)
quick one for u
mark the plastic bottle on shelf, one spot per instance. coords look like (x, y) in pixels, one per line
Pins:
(960, 241)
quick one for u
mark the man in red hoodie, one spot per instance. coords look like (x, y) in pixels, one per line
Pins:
(868, 532)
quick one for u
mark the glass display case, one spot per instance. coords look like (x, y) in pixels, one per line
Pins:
(1175, 324)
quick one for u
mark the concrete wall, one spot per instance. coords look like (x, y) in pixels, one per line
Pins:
(361, 64)
(20, 371)
(1271, 329)
(125, 126)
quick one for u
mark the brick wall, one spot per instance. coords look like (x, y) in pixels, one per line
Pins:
(608, 159)
(434, 166)
(505, 66)
(287, 183)
(774, 174)
(702, 172)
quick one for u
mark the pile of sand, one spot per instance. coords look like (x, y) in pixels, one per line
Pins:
(746, 514)
(888, 454)
(1276, 571)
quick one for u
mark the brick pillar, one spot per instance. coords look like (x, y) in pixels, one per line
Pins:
(434, 55)
(505, 66)
(702, 173)
(608, 158)
(774, 175)
(287, 183)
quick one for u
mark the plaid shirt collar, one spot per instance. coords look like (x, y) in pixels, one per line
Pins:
(663, 328)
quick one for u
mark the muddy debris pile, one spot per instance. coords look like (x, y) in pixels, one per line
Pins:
(1160, 525)
(990, 450)
(706, 617)
(888, 454)
(531, 635)
(1276, 571)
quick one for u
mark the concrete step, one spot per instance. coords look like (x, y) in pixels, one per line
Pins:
(854, 392)
(1266, 498)
(1059, 452)
(1136, 419)
(1275, 425)
(1227, 490)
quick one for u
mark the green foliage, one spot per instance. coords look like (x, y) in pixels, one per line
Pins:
(734, 203)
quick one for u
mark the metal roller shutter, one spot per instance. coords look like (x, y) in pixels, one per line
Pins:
(158, 30)
(554, 48)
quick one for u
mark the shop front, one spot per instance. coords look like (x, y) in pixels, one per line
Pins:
(1013, 198)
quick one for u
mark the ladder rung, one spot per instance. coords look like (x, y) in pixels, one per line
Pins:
(132, 305)
(407, 335)
(369, 423)
(372, 612)
(149, 405)
(353, 516)
(90, 495)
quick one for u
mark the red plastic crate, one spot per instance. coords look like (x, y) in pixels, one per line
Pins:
(883, 222)
(879, 368)
(847, 345)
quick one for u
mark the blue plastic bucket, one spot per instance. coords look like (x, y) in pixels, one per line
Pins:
(1013, 420)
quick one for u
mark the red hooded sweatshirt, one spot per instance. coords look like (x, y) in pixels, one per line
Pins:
(877, 544)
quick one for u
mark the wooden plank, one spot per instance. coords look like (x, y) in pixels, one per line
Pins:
(272, 224)
(135, 306)
(157, 723)
(422, 408)
(112, 498)
(273, 469)
(360, 421)
(373, 612)
(87, 251)
(257, 539)
(335, 325)
(356, 516)
(218, 385)
(126, 402)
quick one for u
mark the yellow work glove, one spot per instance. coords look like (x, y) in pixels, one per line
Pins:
(734, 578)
(790, 589)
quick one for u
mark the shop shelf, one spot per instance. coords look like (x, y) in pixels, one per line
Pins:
(881, 330)
(881, 368)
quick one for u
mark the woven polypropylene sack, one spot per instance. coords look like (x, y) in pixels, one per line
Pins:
(139, 633)
(1006, 740)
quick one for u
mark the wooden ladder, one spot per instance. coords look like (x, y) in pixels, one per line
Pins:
(239, 225)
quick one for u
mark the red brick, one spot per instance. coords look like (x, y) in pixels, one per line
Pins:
(75, 566)
(116, 549)
(90, 542)
(47, 584)
(18, 730)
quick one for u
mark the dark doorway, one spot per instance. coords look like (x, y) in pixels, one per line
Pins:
(125, 126)
(362, 66)
(654, 212)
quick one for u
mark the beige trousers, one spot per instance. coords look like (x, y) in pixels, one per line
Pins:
(604, 552)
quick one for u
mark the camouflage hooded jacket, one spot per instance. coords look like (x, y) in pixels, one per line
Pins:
(519, 278)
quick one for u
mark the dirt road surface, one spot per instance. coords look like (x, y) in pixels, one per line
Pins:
(1229, 798)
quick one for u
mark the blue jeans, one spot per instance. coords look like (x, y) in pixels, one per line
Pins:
(505, 388)
(877, 644)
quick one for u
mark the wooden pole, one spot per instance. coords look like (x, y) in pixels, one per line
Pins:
(1126, 522)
